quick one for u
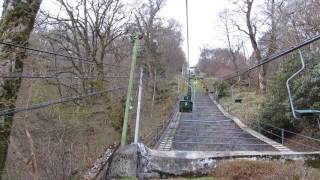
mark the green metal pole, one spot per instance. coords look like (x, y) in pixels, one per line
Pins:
(124, 138)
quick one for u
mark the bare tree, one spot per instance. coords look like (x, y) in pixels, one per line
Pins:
(269, 42)
(146, 23)
(246, 8)
(89, 31)
(218, 62)
(234, 49)
(273, 27)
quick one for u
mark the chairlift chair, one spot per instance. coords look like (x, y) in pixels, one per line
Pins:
(300, 113)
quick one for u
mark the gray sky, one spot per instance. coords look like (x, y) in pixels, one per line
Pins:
(205, 29)
(204, 26)
(203, 23)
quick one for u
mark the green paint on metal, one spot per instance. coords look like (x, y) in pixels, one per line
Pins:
(185, 106)
(307, 113)
(189, 91)
(188, 98)
(135, 51)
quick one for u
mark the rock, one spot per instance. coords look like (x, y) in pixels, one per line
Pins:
(124, 162)
(98, 165)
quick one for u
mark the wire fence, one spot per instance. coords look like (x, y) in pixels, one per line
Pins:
(152, 138)
(309, 143)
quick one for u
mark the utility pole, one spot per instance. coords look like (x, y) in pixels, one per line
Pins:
(136, 43)
(188, 43)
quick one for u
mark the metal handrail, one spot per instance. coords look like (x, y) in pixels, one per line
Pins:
(291, 132)
(171, 117)
(288, 85)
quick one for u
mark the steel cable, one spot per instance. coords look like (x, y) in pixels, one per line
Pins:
(68, 58)
(53, 102)
(272, 57)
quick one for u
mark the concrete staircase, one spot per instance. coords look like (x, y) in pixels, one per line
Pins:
(209, 128)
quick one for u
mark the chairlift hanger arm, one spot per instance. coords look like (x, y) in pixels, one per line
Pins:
(298, 114)
(288, 86)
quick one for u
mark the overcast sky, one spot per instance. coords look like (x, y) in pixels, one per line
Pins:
(204, 26)
(203, 23)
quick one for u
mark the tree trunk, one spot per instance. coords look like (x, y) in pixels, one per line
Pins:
(15, 27)
(273, 33)
(154, 93)
(261, 85)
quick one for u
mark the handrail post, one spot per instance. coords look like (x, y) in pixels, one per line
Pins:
(136, 41)
(259, 126)
(282, 136)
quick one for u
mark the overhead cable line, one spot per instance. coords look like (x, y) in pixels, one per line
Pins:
(68, 58)
(56, 77)
(272, 57)
(53, 102)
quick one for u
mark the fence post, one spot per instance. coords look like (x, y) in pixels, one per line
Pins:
(282, 136)
(157, 135)
(259, 126)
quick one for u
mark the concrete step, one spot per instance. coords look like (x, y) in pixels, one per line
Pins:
(208, 129)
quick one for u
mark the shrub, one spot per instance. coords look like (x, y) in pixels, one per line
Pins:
(221, 87)
(305, 89)
(217, 86)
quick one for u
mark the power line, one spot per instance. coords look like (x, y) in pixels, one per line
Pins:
(61, 55)
(44, 76)
(273, 57)
(53, 102)
(56, 77)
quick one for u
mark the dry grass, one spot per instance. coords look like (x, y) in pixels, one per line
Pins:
(198, 86)
(248, 110)
(155, 116)
(264, 170)
(67, 138)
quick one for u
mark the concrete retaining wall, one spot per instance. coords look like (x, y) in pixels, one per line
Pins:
(136, 160)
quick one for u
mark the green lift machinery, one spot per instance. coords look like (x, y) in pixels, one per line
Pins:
(135, 40)
(186, 104)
